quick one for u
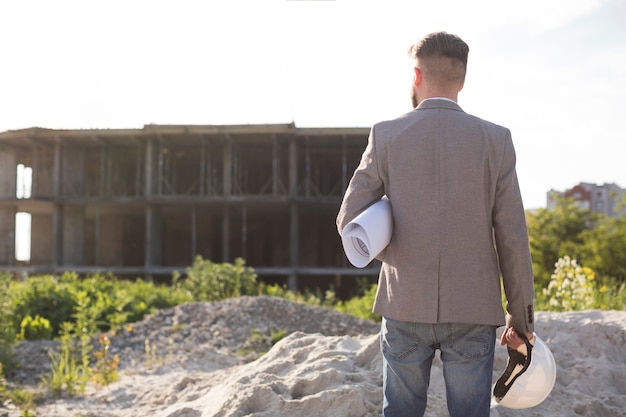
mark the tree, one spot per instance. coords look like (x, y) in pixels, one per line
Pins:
(556, 233)
(605, 247)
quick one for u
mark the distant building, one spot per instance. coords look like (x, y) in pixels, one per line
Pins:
(145, 202)
(603, 199)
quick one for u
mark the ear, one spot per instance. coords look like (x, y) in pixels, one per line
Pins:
(417, 79)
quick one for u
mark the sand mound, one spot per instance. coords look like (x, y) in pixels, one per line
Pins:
(328, 365)
(303, 375)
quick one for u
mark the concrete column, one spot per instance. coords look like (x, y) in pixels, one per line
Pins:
(8, 172)
(57, 235)
(34, 188)
(307, 168)
(244, 231)
(293, 168)
(275, 166)
(102, 186)
(226, 234)
(160, 168)
(149, 164)
(109, 172)
(294, 237)
(7, 235)
(194, 234)
(57, 169)
(139, 167)
(228, 167)
(97, 236)
(294, 232)
(203, 170)
(57, 214)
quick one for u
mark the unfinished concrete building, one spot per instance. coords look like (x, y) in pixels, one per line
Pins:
(144, 202)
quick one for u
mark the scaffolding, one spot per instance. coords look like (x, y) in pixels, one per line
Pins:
(144, 202)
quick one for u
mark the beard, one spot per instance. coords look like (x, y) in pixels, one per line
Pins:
(414, 100)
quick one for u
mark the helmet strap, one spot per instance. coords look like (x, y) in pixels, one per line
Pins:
(518, 363)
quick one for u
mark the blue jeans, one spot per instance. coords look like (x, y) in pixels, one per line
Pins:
(408, 350)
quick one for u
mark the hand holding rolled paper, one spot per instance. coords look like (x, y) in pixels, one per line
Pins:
(368, 234)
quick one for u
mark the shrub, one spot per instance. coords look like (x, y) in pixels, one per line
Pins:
(45, 296)
(208, 281)
(8, 331)
(361, 306)
(35, 328)
(609, 294)
(66, 373)
(111, 302)
(571, 286)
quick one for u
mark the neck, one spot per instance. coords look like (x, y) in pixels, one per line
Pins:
(441, 94)
(428, 91)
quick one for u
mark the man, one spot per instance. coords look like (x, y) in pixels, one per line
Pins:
(458, 224)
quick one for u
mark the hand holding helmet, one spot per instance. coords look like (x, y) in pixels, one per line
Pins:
(513, 339)
(530, 373)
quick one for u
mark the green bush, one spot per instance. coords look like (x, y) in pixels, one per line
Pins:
(8, 331)
(35, 328)
(111, 302)
(208, 281)
(361, 306)
(46, 296)
(609, 294)
(108, 302)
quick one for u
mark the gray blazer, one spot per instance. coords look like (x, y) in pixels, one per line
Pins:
(452, 184)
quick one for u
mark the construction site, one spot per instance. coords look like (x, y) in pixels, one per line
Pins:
(145, 202)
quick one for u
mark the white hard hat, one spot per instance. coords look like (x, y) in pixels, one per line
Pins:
(529, 376)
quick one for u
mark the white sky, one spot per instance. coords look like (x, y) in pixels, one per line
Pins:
(553, 71)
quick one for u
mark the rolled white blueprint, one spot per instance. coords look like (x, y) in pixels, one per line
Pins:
(368, 234)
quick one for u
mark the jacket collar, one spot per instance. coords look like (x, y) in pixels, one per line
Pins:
(438, 103)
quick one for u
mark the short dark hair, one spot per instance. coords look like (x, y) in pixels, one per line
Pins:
(442, 56)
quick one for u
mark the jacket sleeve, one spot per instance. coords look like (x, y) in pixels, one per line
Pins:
(511, 236)
(365, 187)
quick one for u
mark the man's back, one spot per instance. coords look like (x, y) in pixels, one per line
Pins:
(441, 169)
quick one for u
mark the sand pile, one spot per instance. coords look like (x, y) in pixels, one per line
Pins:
(199, 360)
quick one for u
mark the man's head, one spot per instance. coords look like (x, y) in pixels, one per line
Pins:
(440, 66)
